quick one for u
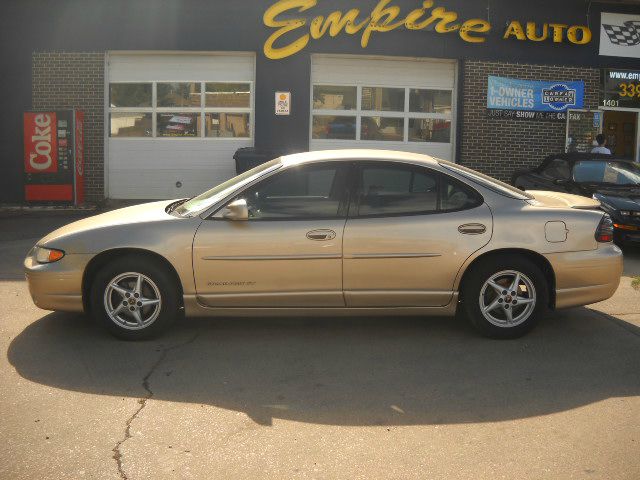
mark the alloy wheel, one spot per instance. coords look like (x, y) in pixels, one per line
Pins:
(507, 298)
(132, 300)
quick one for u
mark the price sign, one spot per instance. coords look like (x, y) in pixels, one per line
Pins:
(621, 88)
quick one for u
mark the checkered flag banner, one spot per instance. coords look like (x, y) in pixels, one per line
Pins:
(627, 34)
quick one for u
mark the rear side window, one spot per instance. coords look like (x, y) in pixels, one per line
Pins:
(393, 190)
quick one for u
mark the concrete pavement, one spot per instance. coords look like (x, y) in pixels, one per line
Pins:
(316, 398)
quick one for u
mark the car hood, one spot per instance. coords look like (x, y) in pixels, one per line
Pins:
(563, 200)
(137, 214)
(620, 200)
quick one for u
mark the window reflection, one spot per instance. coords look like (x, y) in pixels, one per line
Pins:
(382, 99)
(334, 97)
(430, 101)
(227, 125)
(429, 130)
(382, 128)
(334, 127)
(178, 94)
(130, 95)
(130, 124)
(178, 124)
(228, 95)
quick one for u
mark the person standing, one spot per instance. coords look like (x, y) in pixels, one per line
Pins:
(602, 141)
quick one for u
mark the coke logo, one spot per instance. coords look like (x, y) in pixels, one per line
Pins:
(41, 140)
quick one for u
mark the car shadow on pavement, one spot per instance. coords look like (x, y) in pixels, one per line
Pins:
(354, 371)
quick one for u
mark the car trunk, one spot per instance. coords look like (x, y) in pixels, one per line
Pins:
(566, 200)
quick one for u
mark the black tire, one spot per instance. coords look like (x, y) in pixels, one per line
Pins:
(484, 270)
(158, 275)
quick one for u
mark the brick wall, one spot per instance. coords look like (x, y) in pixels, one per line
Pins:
(75, 80)
(497, 147)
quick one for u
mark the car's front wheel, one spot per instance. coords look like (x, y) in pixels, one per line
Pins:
(134, 298)
(505, 296)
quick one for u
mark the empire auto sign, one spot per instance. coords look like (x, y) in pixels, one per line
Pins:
(294, 27)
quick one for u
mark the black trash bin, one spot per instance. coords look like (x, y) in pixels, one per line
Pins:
(248, 157)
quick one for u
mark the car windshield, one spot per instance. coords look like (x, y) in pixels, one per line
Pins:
(217, 193)
(487, 181)
(606, 171)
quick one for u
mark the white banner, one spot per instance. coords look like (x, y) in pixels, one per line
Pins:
(620, 35)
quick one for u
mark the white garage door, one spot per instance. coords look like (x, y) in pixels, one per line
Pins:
(175, 121)
(392, 104)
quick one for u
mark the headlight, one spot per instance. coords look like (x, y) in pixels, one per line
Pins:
(47, 255)
(625, 212)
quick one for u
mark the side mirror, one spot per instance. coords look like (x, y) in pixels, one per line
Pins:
(236, 210)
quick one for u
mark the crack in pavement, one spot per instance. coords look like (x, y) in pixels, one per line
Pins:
(117, 454)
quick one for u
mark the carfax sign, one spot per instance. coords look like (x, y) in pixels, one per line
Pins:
(532, 99)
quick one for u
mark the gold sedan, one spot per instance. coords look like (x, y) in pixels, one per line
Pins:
(345, 232)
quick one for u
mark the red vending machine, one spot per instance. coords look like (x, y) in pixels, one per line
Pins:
(54, 157)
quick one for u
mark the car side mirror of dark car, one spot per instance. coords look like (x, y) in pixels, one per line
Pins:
(236, 210)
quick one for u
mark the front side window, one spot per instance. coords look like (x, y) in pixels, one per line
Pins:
(306, 192)
(388, 190)
(180, 109)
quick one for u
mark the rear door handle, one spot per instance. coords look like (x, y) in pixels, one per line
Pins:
(321, 234)
(472, 228)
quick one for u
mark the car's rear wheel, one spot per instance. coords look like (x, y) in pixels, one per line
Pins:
(134, 298)
(505, 296)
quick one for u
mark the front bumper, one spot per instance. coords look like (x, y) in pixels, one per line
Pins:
(587, 276)
(57, 285)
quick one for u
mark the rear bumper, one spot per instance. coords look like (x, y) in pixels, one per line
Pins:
(586, 277)
(58, 285)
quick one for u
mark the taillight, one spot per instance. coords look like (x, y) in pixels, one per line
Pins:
(604, 232)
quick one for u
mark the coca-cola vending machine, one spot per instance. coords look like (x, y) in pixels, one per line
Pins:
(54, 157)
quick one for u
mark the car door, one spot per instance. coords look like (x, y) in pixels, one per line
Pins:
(409, 231)
(288, 253)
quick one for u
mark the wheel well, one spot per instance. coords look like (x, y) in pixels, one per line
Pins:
(536, 258)
(107, 256)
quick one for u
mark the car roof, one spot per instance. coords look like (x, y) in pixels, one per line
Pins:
(575, 156)
(358, 154)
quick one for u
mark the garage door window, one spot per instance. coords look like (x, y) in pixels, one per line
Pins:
(180, 109)
(381, 114)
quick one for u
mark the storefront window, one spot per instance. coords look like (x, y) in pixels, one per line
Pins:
(383, 99)
(227, 125)
(430, 101)
(180, 109)
(178, 124)
(334, 97)
(429, 130)
(130, 95)
(382, 114)
(230, 95)
(334, 127)
(131, 124)
(178, 94)
(382, 129)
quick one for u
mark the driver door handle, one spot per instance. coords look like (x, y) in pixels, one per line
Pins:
(321, 234)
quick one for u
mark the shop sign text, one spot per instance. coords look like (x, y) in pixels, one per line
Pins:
(385, 17)
(40, 142)
(557, 32)
(294, 30)
(621, 88)
(532, 99)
